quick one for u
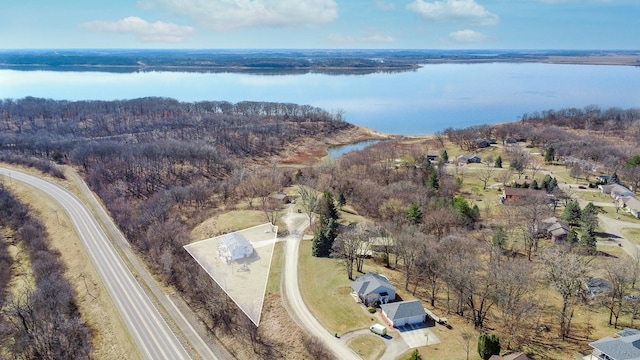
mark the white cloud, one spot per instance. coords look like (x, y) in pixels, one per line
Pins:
(466, 36)
(386, 6)
(237, 14)
(454, 10)
(370, 36)
(143, 30)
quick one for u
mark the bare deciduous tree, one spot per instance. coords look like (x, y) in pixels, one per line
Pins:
(566, 271)
(309, 201)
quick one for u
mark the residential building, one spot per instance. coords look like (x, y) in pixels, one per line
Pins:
(372, 289)
(512, 194)
(468, 159)
(631, 205)
(234, 246)
(626, 346)
(403, 313)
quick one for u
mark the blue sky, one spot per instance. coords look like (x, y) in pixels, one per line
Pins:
(409, 24)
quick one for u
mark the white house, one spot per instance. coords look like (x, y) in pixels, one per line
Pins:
(403, 313)
(234, 246)
(372, 289)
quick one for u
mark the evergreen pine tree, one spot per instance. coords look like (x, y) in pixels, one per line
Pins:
(588, 239)
(589, 215)
(327, 208)
(444, 156)
(488, 345)
(499, 238)
(572, 213)
(414, 214)
(534, 185)
(498, 162)
(342, 200)
(549, 154)
(434, 182)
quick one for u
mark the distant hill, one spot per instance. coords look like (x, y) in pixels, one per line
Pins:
(289, 61)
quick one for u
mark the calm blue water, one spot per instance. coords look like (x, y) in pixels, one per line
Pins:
(420, 102)
(337, 151)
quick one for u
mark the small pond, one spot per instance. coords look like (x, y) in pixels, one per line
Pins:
(337, 151)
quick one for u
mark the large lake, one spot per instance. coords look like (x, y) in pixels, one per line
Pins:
(424, 101)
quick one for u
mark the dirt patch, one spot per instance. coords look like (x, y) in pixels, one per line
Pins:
(277, 327)
(110, 338)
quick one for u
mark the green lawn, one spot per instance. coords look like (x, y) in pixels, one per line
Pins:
(275, 272)
(326, 292)
(632, 235)
(367, 346)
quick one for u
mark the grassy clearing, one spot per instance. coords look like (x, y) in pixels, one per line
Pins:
(110, 338)
(595, 196)
(239, 219)
(367, 346)
(328, 296)
(275, 272)
(632, 235)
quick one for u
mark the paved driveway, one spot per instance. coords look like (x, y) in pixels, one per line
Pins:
(417, 335)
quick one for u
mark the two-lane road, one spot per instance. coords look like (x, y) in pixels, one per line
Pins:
(152, 335)
(297, 223)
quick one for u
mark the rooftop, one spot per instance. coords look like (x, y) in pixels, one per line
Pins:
(403, 309)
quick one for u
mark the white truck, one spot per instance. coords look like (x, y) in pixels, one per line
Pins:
(378, 329)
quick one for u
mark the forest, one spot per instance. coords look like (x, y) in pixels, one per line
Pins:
(162, 166)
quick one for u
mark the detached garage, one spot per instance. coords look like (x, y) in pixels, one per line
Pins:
(403, 313)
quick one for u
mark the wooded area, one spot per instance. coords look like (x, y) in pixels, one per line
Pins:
(162, 166)
(159, 165)
(38, 320)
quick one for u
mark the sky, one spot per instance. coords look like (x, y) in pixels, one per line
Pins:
(304, 24)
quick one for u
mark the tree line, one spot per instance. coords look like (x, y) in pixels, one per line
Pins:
(39, 320)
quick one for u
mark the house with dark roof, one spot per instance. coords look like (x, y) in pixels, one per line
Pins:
(468, 159)
(403, 313)
(234, 246)
(557, 229)
(372, 289)
(624, 347)
(513, 194)
(598, 286)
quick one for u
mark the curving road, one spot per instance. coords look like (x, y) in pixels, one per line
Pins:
(297, 223)
(152, 335)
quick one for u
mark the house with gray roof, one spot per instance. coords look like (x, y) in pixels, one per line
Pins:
(403, 313)
(624, 347)
(234, 246)
(616, 191)
(557, 229)
(631, 205)
(372, 289)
